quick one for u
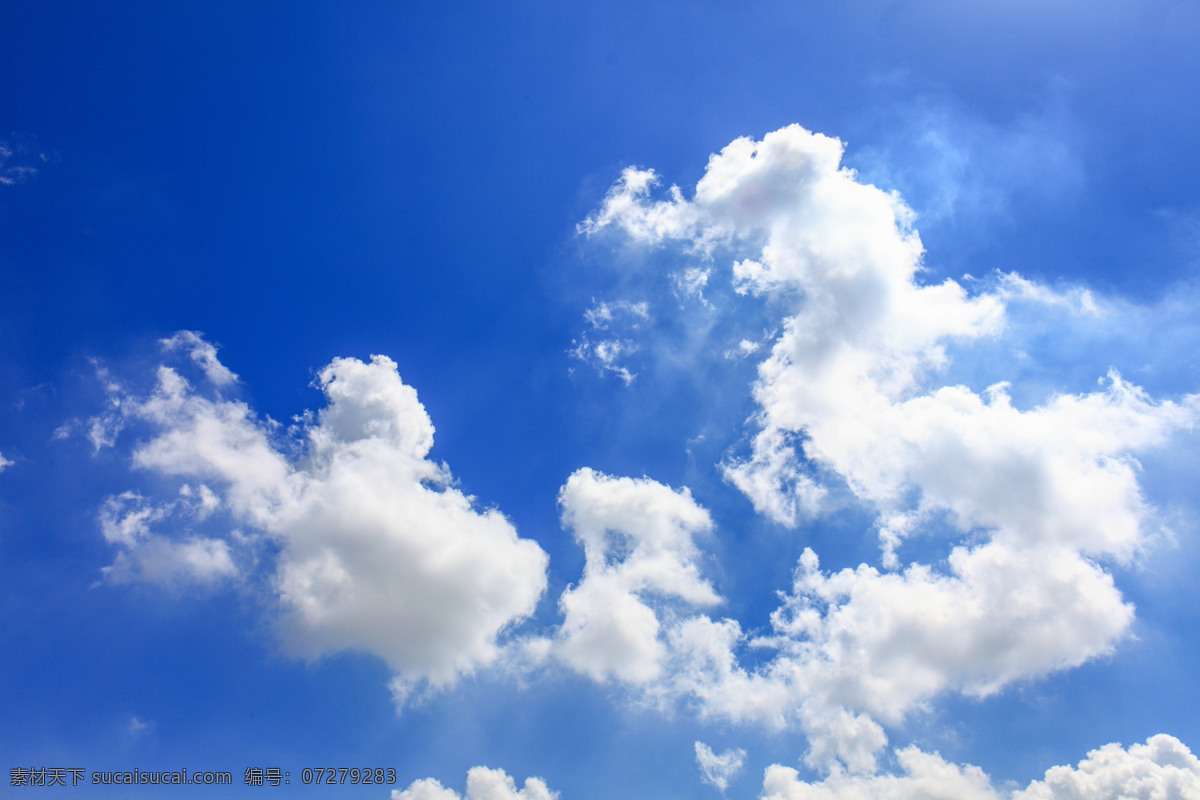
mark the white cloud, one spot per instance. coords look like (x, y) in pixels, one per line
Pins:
(638, 539)
(690, 281)
(845, 386)
(212, 439)
(865, 329)
(1161, 769)
(602, 315)
(627, 207)
(482, 784)
(885, 642)
(1076, 298)
(851, 649)
(202, 501)
(608, 341)
(849, 401)
(4, 463)
(719, 770)
(925, 776)
(102, 429)
(204, 354)
(426, 789)
(861, 645)
(705, 668)
(744, 349)
(383, 553)
(126, 521)
(164, 561)
(776, 481)
(377, 550)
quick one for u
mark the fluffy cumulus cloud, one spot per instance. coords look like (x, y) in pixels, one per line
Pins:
(377, 550)
(847, 651)
(642, 563)
(482, 784)
(851, 404)
(1161, 769)
(884, 642)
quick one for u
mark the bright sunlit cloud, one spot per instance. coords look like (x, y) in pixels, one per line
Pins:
(377, 549)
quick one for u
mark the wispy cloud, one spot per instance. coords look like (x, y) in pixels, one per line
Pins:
(718, 770)
(20, 160)
(957, 168)
(608, 341)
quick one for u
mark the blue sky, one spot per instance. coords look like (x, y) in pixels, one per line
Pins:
(653, 400)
